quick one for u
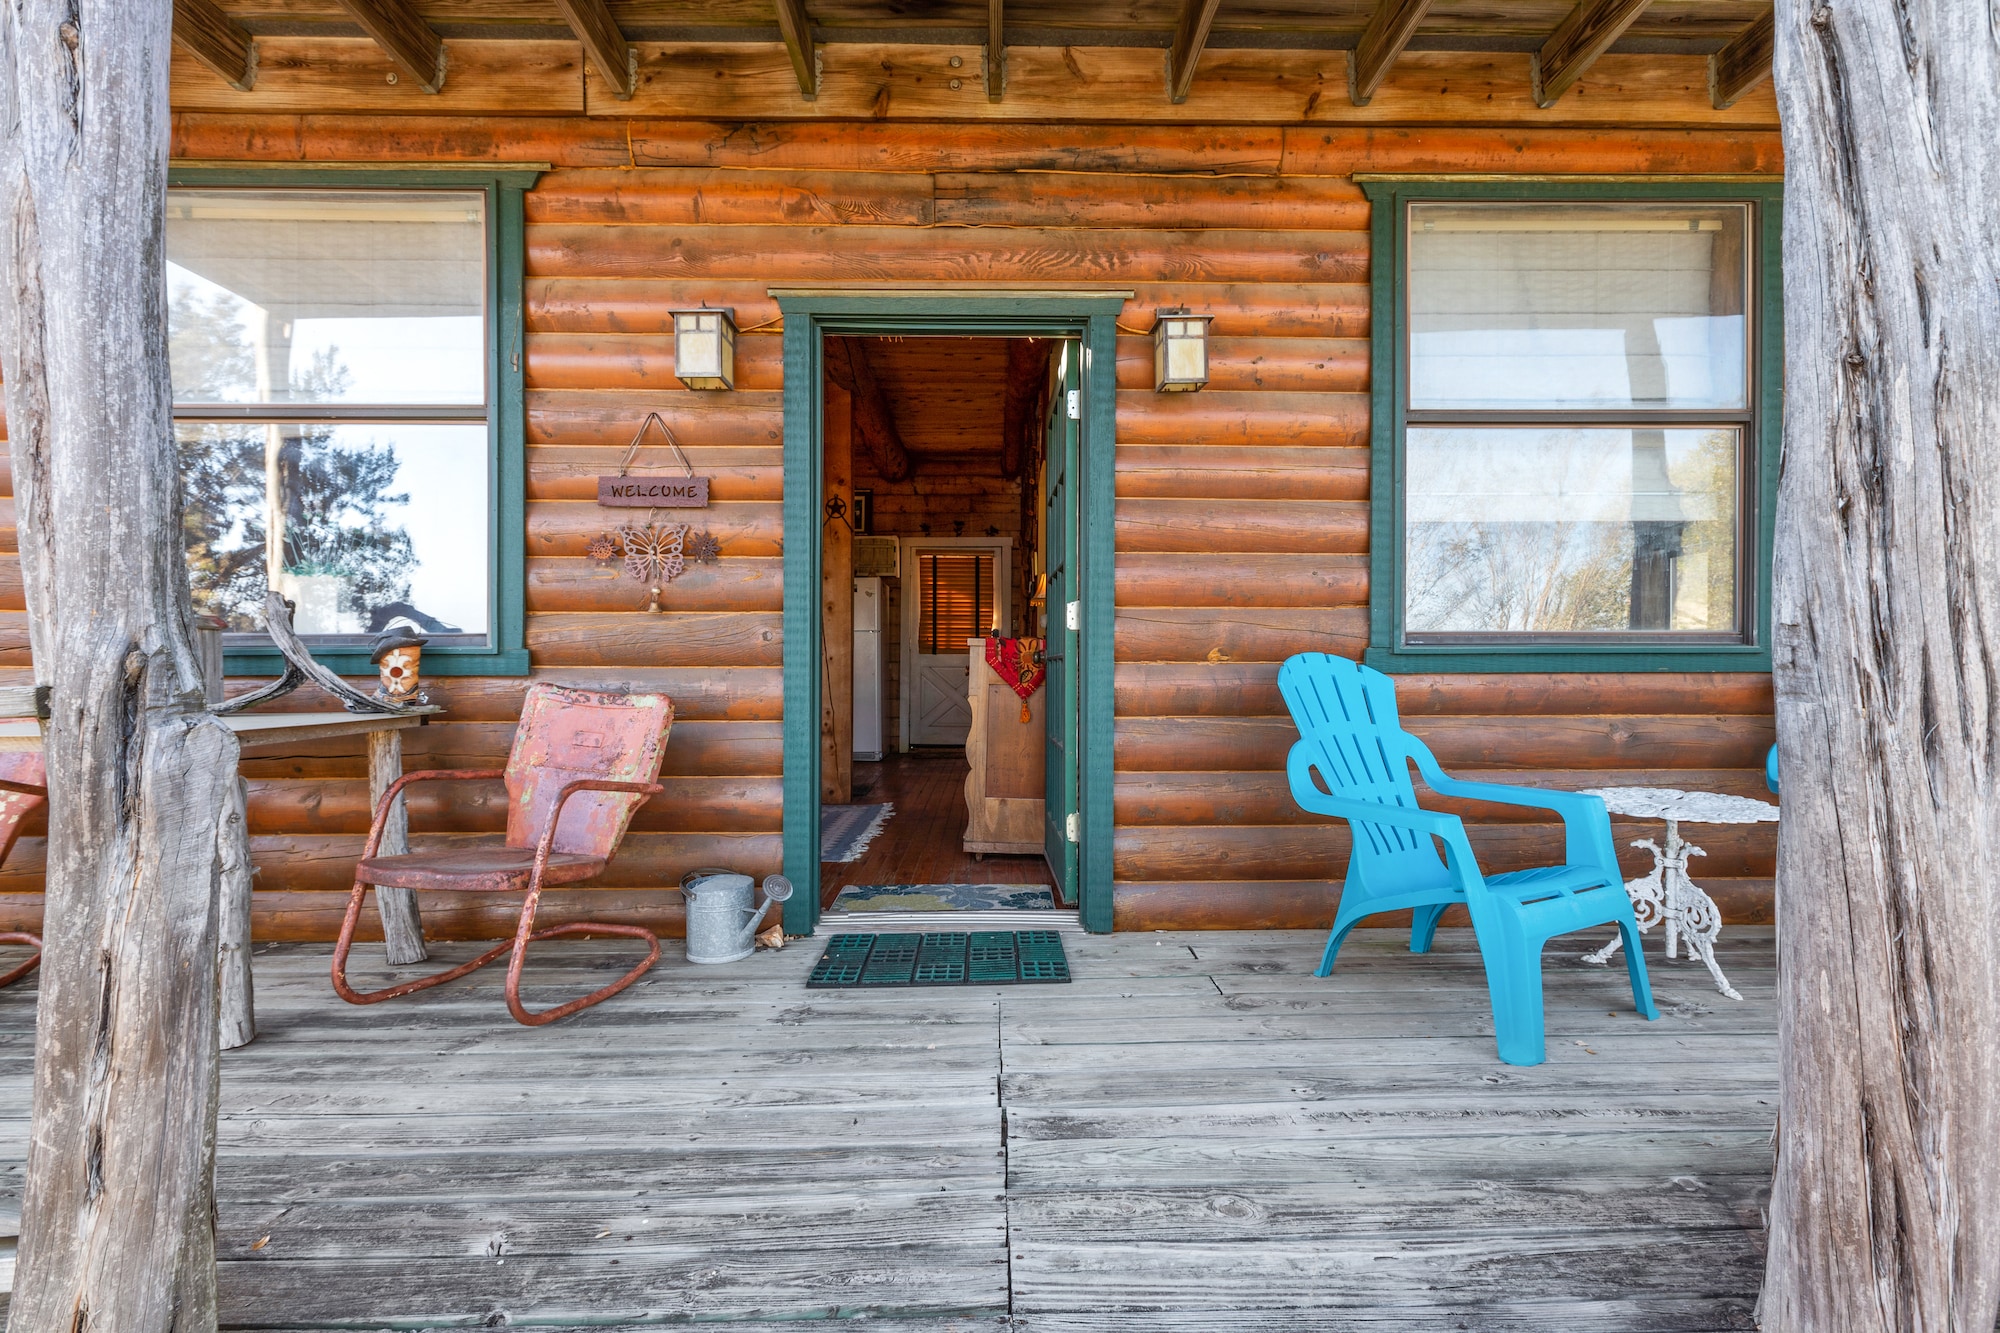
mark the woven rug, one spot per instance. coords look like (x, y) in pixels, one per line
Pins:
(846, 830)
(943, 898)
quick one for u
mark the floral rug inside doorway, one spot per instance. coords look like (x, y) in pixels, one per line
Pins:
(943, 898)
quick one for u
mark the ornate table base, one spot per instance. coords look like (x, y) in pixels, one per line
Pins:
(1667, 894)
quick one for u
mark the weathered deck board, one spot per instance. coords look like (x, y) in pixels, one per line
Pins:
(1197, 1135)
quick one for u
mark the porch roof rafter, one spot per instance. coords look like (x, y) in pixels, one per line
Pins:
(406, 38)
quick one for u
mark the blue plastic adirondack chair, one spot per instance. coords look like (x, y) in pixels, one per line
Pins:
(1350, 737)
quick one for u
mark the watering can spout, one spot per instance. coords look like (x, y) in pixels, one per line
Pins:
(777, 889)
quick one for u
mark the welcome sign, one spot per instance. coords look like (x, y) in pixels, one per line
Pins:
(653, 492)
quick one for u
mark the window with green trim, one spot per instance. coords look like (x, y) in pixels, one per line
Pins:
(349, 435)
(1573, 451)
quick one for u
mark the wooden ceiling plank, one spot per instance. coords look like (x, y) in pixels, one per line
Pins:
(1741, 65)
(604, 42)
(1190, 35)
(795, 25)
(1389, 30)
(217, 41)
(1576, 44)
(409, 41)
(996, 49)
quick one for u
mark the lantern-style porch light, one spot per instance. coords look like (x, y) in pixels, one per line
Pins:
(1180, 350)
(705, 348)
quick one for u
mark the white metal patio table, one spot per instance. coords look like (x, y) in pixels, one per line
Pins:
(1667, 894)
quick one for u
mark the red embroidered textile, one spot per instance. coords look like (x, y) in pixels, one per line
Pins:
(1015, 661)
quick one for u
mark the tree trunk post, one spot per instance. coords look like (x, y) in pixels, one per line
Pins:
(118, 1214)
(402, 922)
(1885, 1211)
(236, 996)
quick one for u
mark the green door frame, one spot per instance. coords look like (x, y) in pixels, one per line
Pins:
(1089, 317)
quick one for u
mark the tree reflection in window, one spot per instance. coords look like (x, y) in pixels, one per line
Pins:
(337, 551)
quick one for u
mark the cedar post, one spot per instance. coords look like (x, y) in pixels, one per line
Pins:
(117, 1219)
(402, 921)
(236, 995)
(1885, 1211)
(836, 764)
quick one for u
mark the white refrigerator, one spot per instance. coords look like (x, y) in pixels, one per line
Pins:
(868, 674)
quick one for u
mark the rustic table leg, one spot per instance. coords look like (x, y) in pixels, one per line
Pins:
(402, 925)
(237, 1018)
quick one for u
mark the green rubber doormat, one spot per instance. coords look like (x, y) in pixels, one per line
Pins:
(946, 958)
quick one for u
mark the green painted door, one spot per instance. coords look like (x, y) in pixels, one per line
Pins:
(1060, 539)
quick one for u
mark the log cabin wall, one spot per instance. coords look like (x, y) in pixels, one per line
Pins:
(1242, 521)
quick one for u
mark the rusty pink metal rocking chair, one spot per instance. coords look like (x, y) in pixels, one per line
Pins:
(23, 787)
(583, 761)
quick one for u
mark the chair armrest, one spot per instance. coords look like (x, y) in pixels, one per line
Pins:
(1586, 824)
(548, 839)
(388, 801)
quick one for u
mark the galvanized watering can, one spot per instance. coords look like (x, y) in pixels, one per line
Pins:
(721, 922)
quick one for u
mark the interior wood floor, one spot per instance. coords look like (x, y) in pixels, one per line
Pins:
(924, 841)
(1195, 1135)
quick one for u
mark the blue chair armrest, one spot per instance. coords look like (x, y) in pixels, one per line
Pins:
(1586, 823)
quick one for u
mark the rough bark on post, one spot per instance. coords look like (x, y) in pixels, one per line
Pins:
(402, 920)
(236, 997)
(1885, 1212)
(117, 1219)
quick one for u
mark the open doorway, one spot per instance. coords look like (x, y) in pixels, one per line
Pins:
(942, 510)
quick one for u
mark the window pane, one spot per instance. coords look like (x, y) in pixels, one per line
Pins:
(372, 523)
(1577, 306)
(314, 296)
(956, 600)
(1589, 531)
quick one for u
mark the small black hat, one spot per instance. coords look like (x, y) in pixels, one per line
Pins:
(396, 636)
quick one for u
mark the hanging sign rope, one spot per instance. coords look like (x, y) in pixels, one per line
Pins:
(628, 492)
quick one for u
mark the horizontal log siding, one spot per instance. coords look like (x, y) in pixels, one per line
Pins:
(1242, 526)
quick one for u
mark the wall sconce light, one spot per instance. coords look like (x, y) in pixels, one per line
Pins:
(705, 348)
(1180, 350)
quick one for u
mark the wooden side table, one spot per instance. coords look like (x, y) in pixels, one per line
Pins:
(402, 924)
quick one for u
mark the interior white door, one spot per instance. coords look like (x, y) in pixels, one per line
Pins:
(952, 593)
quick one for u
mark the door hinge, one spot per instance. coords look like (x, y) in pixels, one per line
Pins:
(1076, 404)
(1073, 826)
(1073, 616)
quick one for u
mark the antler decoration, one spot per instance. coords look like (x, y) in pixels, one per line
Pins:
(300, 667)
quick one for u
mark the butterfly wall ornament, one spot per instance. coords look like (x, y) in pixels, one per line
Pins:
(654, 555)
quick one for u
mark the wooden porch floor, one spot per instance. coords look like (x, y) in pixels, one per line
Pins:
(1197, 1134)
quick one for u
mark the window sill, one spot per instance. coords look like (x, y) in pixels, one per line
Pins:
(344, 662)
(1542, 658)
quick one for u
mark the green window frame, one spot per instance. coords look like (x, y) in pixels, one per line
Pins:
(1390, 199)
(505, 652)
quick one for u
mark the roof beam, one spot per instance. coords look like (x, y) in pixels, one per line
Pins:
(604, 42)
(409, 41)
(996, 49)
(1741, 65)
(1576, 44)
(217, 41)
(795, 25)
(1389, 30)
(1190, 35)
